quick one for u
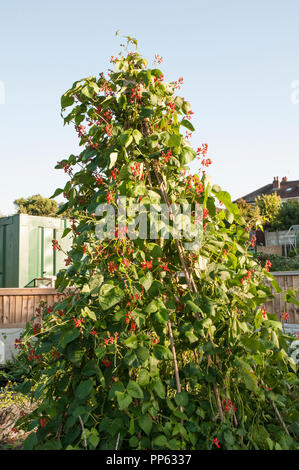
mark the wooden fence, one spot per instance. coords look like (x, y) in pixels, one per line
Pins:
(17, 306)
(285, 279)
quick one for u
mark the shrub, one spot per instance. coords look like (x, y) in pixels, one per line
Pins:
(154, 346)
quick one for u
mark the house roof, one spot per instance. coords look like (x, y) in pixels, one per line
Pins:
(284, 188)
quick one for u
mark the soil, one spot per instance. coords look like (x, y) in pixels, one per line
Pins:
(10, 437)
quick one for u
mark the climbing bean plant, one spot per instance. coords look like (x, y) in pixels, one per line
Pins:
(150, 345)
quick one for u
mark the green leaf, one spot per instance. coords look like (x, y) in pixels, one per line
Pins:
(228, 437)
(56, 193)
(90, 314)
(195, 308)
(154, 250)
(162, 315)
(66, 100)
(145, 422)
(188, 125)
(112, 159)
(246, 374)
(52, 445)
(142, 354)
(160, 441)
(123, 399)
(90, 368)
(30, 441)
(159, 388)
(225, 198)
(187, 155)
(75, 353)
(93, 438)
(146, 112)
(143, 377)
(70, 335)
(137, 136)
(174, 140)
(181, 399)
(134, 390)
(152, 307)
(162, 353)
(147, 280)
(125, 138)
(186, 107)
(110, 295)
(131, 342)
(84, 388)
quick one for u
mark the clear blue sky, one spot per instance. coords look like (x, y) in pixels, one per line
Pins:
(238, 60)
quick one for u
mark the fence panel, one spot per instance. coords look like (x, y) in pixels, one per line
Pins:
(285, 279)
(17, 306)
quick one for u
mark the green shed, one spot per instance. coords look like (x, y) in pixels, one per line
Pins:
(26, 251)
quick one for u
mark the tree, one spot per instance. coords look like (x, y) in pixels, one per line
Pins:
(287, 216)
(152, 345)
(42, 206)
(269, 206)
(37, 205)
(251, 213)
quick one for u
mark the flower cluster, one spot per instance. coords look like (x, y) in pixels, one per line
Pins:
(136, 94)
(284, 316)
(166, 157)
(193, 183)
(112, 267)
(106, 362)
(158, 59)
(253, 240)
(112, 339)
(228, 404)
(247, 277)
(55, 245)
(147, 264)
(264, 313)
(135, 169)
(268, 265)
(78, 322)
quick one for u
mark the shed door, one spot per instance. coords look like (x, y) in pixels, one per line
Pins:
(47, 254)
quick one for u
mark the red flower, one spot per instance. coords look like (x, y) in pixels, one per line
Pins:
(36, 328)
(112, 267)
(78, 322)
(43, 422)
(268, 265)
(56, 354)
(98, 179)
(158, 58)
(147, 264)
(216, 442)
(107, 363)
(205, 213)
(164, 266)
(284, 316)
(264, 313)
(253, 240)
(110, 197)
(56, 245)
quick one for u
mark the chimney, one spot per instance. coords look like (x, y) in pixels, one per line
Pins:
(276, 183)
(284, 179)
